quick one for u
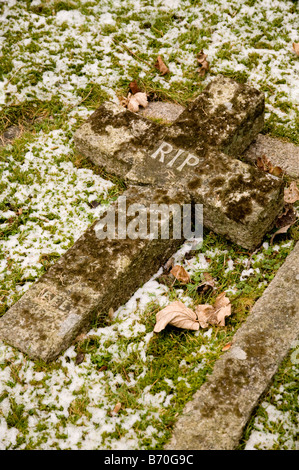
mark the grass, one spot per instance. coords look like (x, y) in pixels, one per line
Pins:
(55, 73)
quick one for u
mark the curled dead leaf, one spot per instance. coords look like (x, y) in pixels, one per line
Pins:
(281, 230)
(116, 408)
(288, 217)
(206, 286)
(79, 358)
(214, 315)
(163, 69)
(180, 274)
(264, 164)
(291, 194)
(176, 314)
(134, 87)
(205, 315)
(134, 101)
(226, 347)
(203, 63)
(276, 171)
(296, 47)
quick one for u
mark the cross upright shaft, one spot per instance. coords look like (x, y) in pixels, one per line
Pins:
(190, 161)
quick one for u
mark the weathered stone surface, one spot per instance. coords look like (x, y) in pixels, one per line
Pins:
(160, 110)
(240, 201)
(226, 116)
(280, 153)
(219, 411)
(115, 138)
(93, 276)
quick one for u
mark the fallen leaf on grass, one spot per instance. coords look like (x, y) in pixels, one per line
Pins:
(205, 315)
(281, 230)
(180, 274)
(203, 63)
(226, 347)
(285, 221)
(264, 164)
(288, 216)
(134, 87)
(291, 194)
(176, 314)
(207, 285)
(163, 69)
(79, 358)
(134, 101)
(223, 308)
(214, 315)
(296, 47)
(116, 408)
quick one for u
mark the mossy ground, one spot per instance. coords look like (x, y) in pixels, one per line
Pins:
(56, 68)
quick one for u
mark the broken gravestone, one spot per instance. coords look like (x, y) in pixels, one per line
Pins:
(192, 161)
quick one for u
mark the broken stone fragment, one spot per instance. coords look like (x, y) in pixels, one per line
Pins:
(227, 115)
(216, 416)
(114, 138)
(92, 277)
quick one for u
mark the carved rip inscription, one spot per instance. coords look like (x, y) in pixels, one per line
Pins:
(179, 159)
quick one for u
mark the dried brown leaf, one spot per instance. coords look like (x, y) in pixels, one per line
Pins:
(265, 164)
(141, 98)
(221, 301)
(180, 274)
(276, 171)
(222, 313)
(203, 63)
(116, 408)
(110, 313)
(288, 216)
(123, 101)
(133, 104)
(163, 69)
(134, 88)
(226, 347)
(176, 314)
(79, 358)
(207, 286)
(214, 315)
(205, 315)
(291, 194)
(281, 230)
(134, 101)
(296, 47)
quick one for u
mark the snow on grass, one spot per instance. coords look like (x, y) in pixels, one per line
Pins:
(55, 51)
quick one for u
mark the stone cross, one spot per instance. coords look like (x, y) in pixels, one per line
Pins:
(195, 160)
